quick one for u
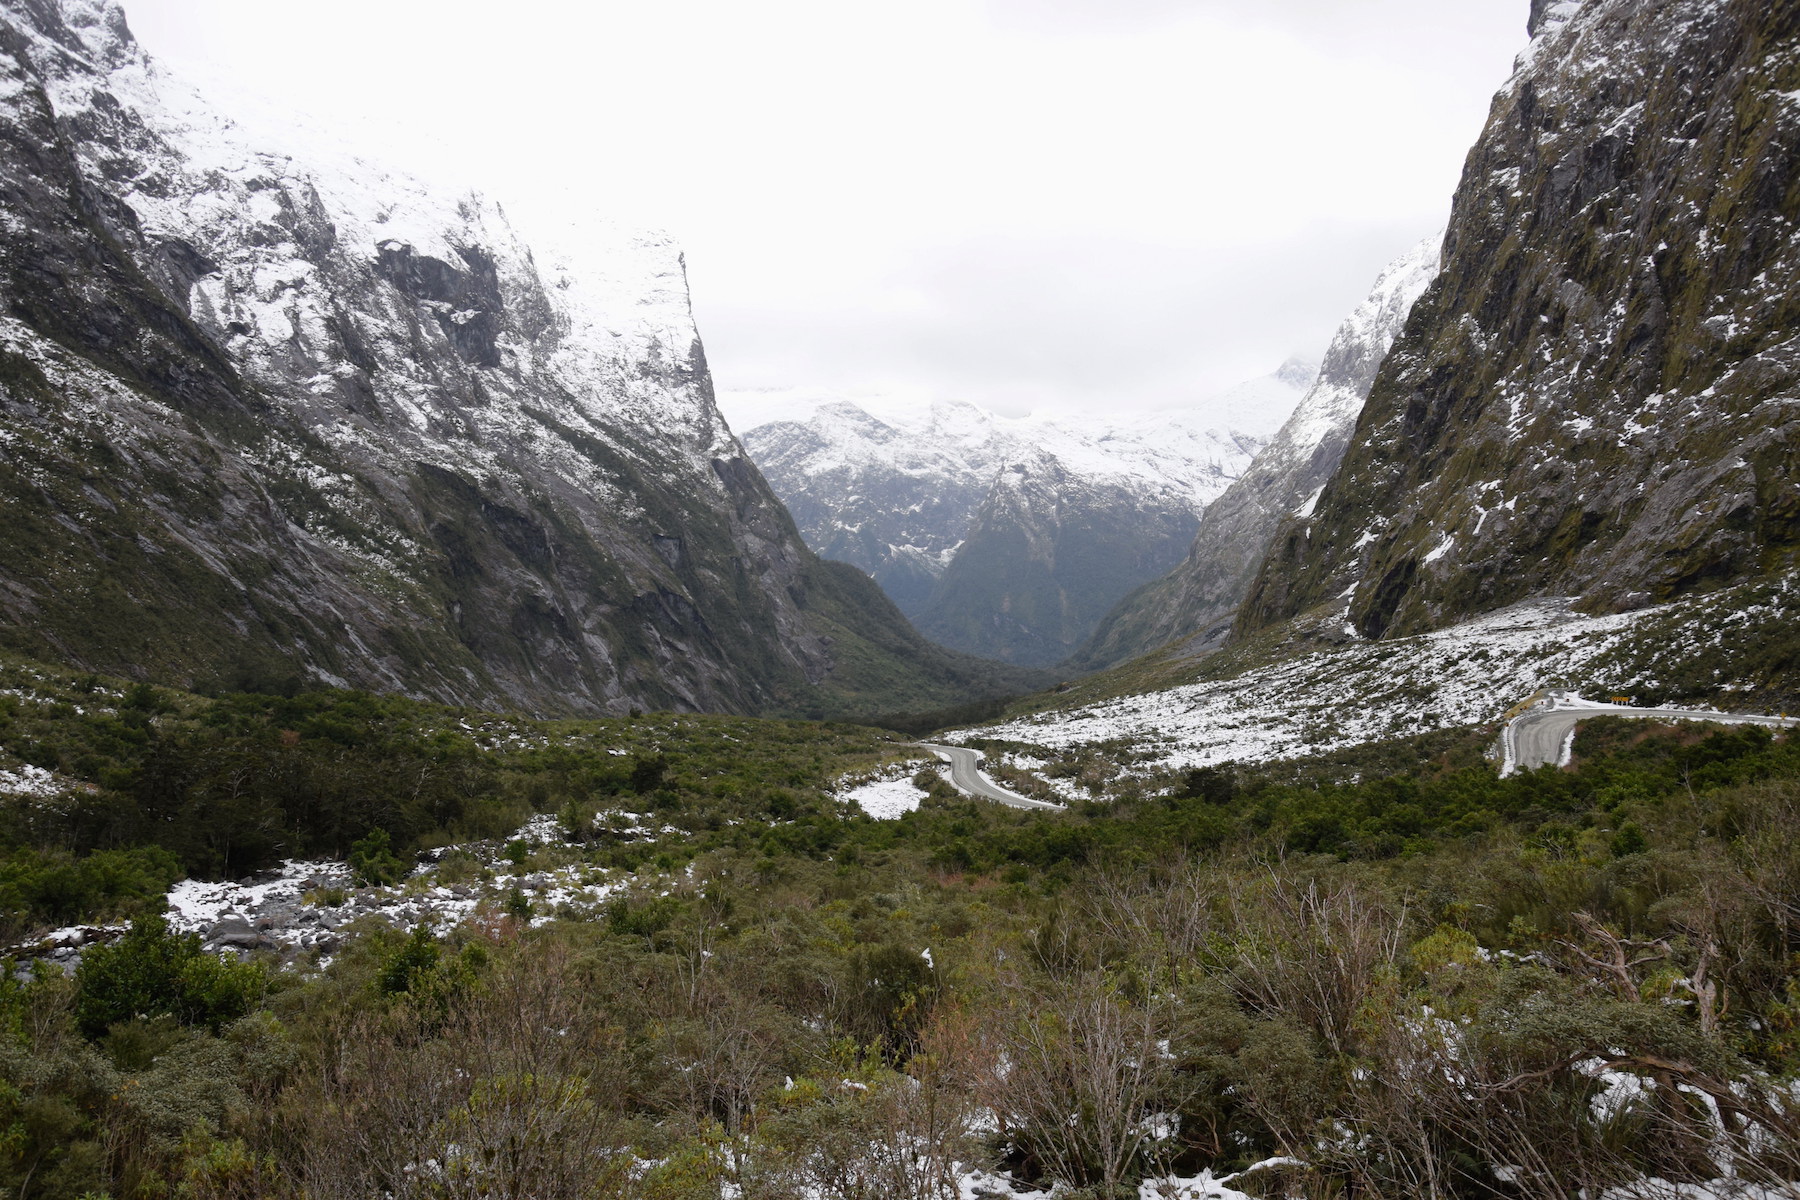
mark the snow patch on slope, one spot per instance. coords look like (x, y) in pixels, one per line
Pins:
(277, 206)
(1333, 699)
(885, 799)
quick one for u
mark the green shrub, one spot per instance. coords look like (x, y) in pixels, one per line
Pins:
(374, 861)
(39, 888)
(416, 959)
(152, 972)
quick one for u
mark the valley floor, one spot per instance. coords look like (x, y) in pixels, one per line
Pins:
(707, 957)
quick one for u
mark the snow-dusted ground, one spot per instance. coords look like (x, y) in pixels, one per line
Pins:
(886, 794)
(985, 1185)
(303, 906)
(885, 799)
(1329, 700)
(1066, 789)
(29, 781)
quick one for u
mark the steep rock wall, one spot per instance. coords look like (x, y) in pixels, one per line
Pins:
(1601, 397)
(272, 414)
(1197, 600)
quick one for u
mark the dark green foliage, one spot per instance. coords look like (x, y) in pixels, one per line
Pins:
(1629, 840)
(152, 972)
(373, 859)
(647, 774)
(642, 920)
(893, 989)
(411, 964)
(49, 887)
(1213, 785)
(1375, 819)
(921, 724)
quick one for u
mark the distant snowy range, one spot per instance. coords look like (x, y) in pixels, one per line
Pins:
(1008, 537)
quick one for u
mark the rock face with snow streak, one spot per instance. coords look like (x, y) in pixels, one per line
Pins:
(1010, 537)
(1197, 600)
(1048, 552)
(272, 415)
(1601, 396)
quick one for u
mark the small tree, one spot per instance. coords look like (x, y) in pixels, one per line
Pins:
(648, 774)
(374, 861)
(153, 972)
(415, 960)
(1091, 1090)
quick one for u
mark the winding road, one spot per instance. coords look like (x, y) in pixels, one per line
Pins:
(1543, 734)
(966, 777)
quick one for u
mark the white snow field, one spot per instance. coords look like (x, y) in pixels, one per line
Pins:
(1332, 699)
(885, 799)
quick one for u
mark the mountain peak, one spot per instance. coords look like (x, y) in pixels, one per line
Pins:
(1299, 370)
(1547, 16)
(963, 515)
(850, 420)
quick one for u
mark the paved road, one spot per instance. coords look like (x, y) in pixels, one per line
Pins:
(966, 777)
(1541, 735)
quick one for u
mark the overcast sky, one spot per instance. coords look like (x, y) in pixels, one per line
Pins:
(1024, 203)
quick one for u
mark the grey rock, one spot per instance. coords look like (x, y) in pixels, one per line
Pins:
(234, 933)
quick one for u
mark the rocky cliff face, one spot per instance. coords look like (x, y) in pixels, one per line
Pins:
(269, 412)
(1197, 600)
(1601, 397)
(1010, 537)
(893, 497)
(1048, 552)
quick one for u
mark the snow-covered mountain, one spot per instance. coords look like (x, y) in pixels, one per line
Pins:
(1598, 398)
(1198, 598)
(1010, 536)
(272, 411)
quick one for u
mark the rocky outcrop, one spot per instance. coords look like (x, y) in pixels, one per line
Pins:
(1195, 602)
(272, 415)
(1599, 398)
